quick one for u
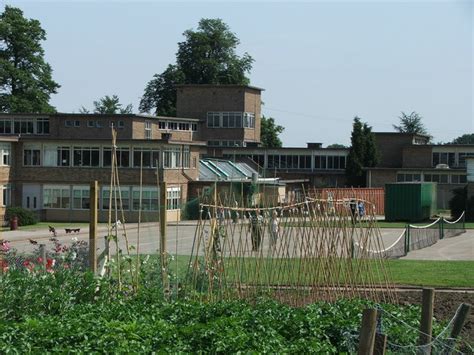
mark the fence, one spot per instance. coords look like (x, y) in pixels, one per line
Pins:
(416, 237)
(376, 196)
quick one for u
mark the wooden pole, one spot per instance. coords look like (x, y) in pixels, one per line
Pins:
(460, 319)
(426, 323)
(367, 332)
(42, 251)
(380, 344)
(93, 196)
(163, 255)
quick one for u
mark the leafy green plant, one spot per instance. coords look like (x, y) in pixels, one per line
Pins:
(25, 217)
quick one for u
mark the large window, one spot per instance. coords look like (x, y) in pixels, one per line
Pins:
(123, 157)
(148, 158)
(444, 158)
(173, 198)
(24, 125)
(86, 156)
(173, 157)
(5, 152)
(31, 155)
(80, 197)
(64, 156)
(230, 120)
(462, 158)
(147, 130)
(149, 198)
(122, 194)
(408, 177)
(56, 197)
(6, 195)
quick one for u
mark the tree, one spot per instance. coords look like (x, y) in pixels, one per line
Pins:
(108, 105)
(269, 132)
(206, 56)
(362, 153)
(411, 124)
(26, 82)
(467, 138)
(336, 146)
(160, 93)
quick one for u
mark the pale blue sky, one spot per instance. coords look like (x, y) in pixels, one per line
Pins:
(321, 63)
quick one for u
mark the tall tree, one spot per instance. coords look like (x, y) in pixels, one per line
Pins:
(160, 92)
(269, 132)
(467, 138)
(362, 153)
(26, 82)
(411, 123)
(108, 105)
(206, 56)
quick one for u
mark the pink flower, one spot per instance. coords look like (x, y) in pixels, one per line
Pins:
(40, 260)
(5, 246)
(4, 265)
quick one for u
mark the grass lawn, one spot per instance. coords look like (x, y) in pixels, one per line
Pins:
(403, 272)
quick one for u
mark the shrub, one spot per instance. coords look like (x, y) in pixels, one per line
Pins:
(460, 203)
(25, 217)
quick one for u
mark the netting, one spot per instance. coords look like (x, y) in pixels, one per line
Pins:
(454, 228)
(395, 250)
(420, 237)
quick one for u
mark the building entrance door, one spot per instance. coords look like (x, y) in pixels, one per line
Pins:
(31, 197)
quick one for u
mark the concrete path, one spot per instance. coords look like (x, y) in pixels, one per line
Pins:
(455, 248)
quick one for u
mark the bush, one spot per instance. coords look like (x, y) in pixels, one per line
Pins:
(25, 217)
(459, 203)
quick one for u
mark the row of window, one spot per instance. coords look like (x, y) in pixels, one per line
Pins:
(93, 124)
(230, 120)
(128, 198)
(65, 156)
(177, 126)
(296, 162)
(226, 143)
(24, 125)
(430, 177)
(451, 159)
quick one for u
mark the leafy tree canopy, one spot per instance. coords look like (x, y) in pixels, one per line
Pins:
(26, 82)
(411, 123)
(206, 56)
(269, 132)
(362, 153)
(467, 138)
(336, 145)
(109, 105)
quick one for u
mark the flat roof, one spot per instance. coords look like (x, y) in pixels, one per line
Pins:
(220, 86)
(99, 115)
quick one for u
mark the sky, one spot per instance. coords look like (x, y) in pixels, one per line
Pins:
(320, 63)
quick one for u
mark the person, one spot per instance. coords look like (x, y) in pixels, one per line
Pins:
(274, 229)
(361, 209)
(256, 221)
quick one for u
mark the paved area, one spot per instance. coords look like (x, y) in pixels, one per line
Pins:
(456, 248)
(181, 237)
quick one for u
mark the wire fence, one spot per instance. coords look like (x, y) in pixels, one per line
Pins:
(415, 237)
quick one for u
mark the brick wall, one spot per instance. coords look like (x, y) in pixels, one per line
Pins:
(417, 156)
(390, 147)
(381, 177)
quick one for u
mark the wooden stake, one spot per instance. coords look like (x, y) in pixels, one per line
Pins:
(42, 251)
(163, 256)
(93, 196)
(460, 319)
(426, 323)
(380, 344)
(367, 332)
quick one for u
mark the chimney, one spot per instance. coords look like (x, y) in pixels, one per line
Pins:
(313, 145)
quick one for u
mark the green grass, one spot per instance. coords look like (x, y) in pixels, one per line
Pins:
(403, 272)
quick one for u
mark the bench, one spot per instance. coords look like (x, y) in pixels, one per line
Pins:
(72, 230)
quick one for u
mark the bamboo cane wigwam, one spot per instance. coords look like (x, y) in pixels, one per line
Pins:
(300, 252)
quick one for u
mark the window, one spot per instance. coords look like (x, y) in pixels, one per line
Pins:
(77, 123)
(69, 123)
(183, 126)
(86, 156)
(147, 130)
(161, 124)
(149, 198)
(173, 198)
(64, 156)
(462, 158)
(305, 162)
(120, 124)
(123, 157)
(173, 125)
(320, 162)
(23, 126)
(122, 194)
(31, 157)
(249, 120)
(150, 158)
(42, 125)
(56, 197)
(5, 150)
(5, 126)
(80, 198)
(6, 195)
(444, 158)
(90, 124)
(408, 177)
(186, 157)
(194, 127)
(172, 158)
